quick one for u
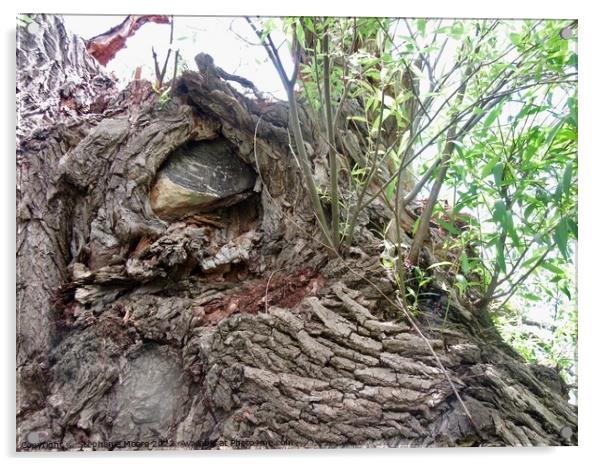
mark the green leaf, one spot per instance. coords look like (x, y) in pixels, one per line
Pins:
(561, 234)
(566, 291)
(391, 191)
(421, 26)
(449, 227)
(510, 228)
(572, 103)
(300, 32)
(357, 118)
(489, 167)
(531, 297)
(499, 213)
(491, 117)
(566, 177)
(457, 30)
(573, 227)
(498, 174)
(415, 226)
(529, 210)
(554, 132)
(515, 38)
(24, 20)
(464, 263)
(461, 283)
(534, 258)
(309, 24)
(552, 268)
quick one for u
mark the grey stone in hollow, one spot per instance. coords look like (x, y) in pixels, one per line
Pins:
(200, 176)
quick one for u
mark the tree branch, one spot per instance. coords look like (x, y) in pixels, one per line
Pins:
(427, 213)
(332, 154)
(289, 85)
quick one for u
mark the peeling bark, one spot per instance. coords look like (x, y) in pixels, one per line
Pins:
(233, 328)
(105, 46)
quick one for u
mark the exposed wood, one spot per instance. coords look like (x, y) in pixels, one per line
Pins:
(105, 46)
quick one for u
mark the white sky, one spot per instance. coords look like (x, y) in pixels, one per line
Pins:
(216, 36)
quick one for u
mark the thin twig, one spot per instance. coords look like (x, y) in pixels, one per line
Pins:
(332, 153)
(267, 288)
(374, 167)
(175, 72)
(427, 213)
(303, 158)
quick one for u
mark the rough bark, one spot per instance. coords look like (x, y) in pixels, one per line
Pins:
(233, 330)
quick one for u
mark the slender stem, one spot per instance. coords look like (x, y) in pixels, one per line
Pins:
(164, 69)
(332, 154)
(523, 277)
(427, 176)
(289, 85)
(494, 283)
(175, 72)
(347, 80)
(306, 169)
(157, 70)
(373, 169)
(427, 213)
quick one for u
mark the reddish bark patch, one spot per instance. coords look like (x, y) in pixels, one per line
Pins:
(105, 46)
(278, 289)
(142, 247)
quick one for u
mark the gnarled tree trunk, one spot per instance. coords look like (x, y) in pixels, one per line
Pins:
(230, 328)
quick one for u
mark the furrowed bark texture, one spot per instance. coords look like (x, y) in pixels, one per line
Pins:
(233, 329)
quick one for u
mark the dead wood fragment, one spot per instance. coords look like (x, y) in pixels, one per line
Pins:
(105, 46)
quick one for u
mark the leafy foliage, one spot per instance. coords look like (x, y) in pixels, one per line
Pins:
(487, 111)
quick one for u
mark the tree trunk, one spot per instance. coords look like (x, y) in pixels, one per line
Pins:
(230, 328)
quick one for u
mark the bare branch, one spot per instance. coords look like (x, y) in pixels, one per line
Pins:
(427, 213)
(289, 85)
(175, 72)
(427, 176)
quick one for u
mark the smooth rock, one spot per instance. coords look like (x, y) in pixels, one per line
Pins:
(200, 177)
